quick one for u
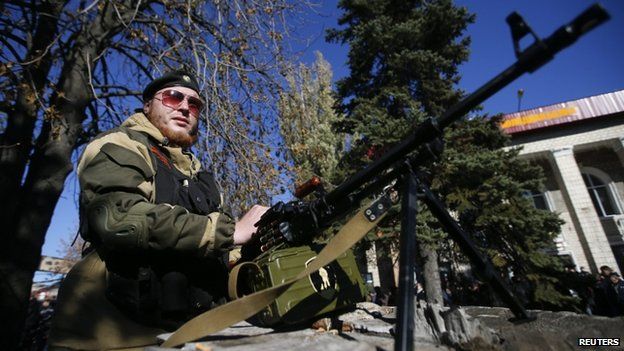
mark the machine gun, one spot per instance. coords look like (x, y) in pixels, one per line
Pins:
(397, 171)
(297, 222)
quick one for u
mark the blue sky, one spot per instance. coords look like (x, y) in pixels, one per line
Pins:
(594, 65)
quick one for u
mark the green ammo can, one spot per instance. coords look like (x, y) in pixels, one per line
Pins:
(338, 285)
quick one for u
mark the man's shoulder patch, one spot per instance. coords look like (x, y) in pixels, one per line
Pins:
(127, 158)
(121, 138)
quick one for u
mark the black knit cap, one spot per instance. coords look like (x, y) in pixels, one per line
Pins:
(179, 78)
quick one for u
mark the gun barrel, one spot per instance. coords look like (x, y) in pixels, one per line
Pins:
(589, 19)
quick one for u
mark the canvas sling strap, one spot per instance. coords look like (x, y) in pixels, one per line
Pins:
(243, 308)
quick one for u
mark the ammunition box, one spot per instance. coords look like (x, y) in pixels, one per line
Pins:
(338, 285)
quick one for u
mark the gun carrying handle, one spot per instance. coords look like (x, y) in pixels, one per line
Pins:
(239, 279)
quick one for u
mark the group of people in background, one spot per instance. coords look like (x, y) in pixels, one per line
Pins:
(608, 294)
(601, 295)
(37, 327)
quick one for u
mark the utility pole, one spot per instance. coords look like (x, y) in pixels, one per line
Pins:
(520, 94)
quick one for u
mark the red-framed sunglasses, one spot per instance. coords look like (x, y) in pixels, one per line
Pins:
(173, 98)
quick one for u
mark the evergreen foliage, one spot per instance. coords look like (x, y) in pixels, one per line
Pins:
(404, 58)
(483, 182)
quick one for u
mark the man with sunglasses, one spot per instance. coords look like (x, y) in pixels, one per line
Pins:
(158, 234)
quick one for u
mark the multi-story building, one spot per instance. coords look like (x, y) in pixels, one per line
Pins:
(580, 146)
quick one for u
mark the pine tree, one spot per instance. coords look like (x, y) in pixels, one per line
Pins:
(306, 113)
(404, 58)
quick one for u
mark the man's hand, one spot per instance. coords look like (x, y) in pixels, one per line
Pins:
(245, 226)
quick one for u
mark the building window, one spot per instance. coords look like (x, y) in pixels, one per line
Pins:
(540, 200)
(601, 194)
(368, 278)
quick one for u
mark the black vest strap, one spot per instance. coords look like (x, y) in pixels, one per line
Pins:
(197, 194)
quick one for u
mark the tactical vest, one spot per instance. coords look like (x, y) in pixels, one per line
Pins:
(199, 194)
(167, 289)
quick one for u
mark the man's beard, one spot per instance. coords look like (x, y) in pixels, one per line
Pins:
(181, 139)
(176, 138)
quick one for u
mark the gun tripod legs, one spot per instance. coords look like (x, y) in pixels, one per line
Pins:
(407, 254)
(412, 190)
(482, 264)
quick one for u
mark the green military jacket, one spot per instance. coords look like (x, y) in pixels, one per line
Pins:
(116, 175)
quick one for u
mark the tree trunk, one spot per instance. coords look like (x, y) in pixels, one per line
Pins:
(16, 141)
(431, 273)
(359, 251)
(385, 266)
(21, 249)
(49, 166)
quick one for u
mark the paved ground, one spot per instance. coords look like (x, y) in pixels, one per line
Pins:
(370, 327)
(551, 330)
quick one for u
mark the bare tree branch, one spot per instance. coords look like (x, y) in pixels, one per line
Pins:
(15, 38)
(81, 73)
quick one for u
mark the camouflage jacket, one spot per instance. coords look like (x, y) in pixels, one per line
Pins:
(120, 214)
